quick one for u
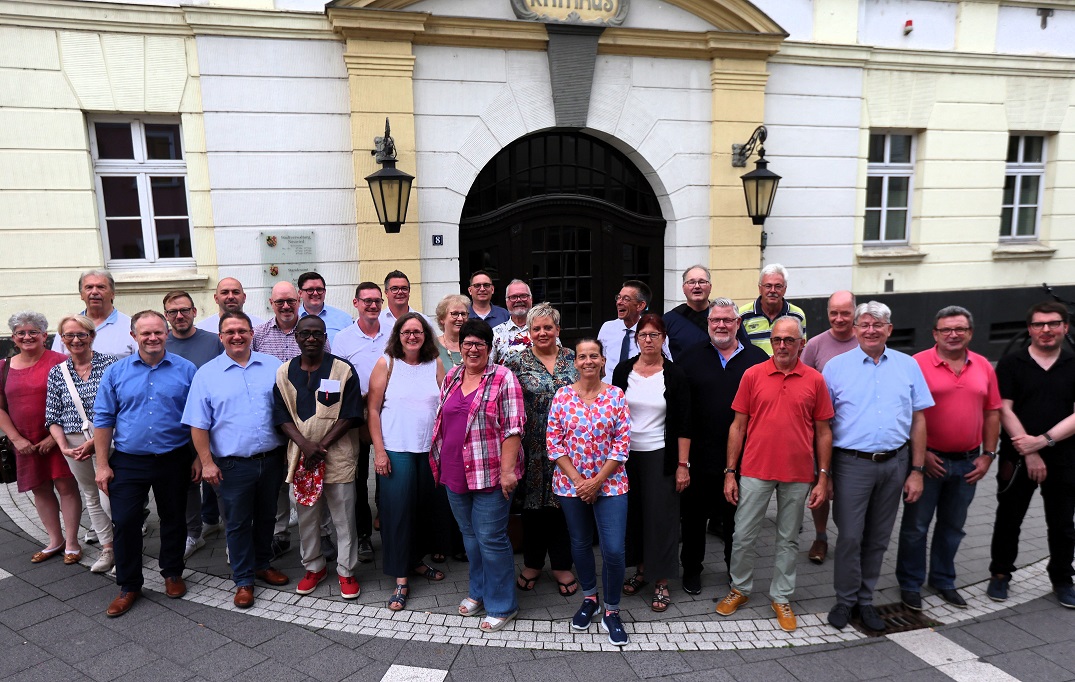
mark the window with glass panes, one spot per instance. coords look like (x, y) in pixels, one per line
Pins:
(889, 171)
(141, 180)
(1023, 180)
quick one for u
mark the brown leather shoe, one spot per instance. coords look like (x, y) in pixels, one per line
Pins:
(244, 596)
(272, 576)
(123, 603)
(818, 551)
(174, 587)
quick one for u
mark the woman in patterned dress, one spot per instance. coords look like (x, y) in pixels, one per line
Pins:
(452, 311)
(589, 437)
(62, 418)
(541, 370)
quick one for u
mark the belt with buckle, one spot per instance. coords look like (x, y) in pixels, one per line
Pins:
(259, 455)
(872, 456)
(957, 456)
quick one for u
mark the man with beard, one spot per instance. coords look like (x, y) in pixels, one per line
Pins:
(687, 323)
(97, 290)
(229, 297)
(512, 336)
(758, 315)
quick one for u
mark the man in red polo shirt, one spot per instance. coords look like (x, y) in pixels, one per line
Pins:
(783, 409)
(965, 416)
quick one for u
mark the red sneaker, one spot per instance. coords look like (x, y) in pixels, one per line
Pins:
(349, 587)
(310, 581)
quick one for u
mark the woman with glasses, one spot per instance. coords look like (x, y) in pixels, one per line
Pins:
(541, 370)
(659, 466)
(452, 311)
(42, 469)
(69, 418)
(477, 434)
(403, 397)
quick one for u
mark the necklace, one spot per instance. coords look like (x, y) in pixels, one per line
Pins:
(589, 395)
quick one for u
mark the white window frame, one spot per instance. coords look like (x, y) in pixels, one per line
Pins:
(1020, 170)
(142, 168)
(887, 170)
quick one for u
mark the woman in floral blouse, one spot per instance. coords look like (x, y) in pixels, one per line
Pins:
(589, 436)
(541, 370)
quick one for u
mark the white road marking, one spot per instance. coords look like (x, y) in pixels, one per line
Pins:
(949, 658)
(407, 673)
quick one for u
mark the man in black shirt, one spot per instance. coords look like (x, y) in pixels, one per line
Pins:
(1037, 388)
(714, 369)
(686, 323)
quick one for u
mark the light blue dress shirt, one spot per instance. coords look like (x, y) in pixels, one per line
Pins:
(144, 404)
(334, 318)
(113, 337)
(874, 402)
(234, 404)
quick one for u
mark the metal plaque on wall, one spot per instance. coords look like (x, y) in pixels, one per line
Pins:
(286, 254)
(585, 12)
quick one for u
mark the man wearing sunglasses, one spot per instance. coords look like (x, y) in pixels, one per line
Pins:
(1037, 390)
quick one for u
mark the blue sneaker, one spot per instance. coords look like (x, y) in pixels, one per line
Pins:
(612, 624)
(584, 616)
(998, 588)
(1065, 594)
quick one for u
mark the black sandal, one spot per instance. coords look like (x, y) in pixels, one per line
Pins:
(633, 584)
(568, 589)
(526, 584)
(438, 558)
(661, 600)
(398, 600)
(429, 573)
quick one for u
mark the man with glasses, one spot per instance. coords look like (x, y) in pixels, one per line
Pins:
(618, 336)
(198, 346)
(758, 315)
(397, 290)
(878, 453)
(687, 323)
(481, 296)
(230, 298)
(318, 406)
(714, 371)
(230, 414)
(1037, 390)
(964, 420)
(97, 289)
(512, 336)
(312, 294)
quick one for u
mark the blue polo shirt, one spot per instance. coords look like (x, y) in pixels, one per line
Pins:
(234, 404)
(144, 404)
(497, 315)
(334, 319)
(874, 402)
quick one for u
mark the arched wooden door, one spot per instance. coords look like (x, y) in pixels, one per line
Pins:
(570, 215)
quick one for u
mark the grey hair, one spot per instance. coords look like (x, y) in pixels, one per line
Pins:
(773, 269)
(98, 273)
(954, 311)
(789, 318)
(28, 317)
(874, 309)
(724, 303)
(697, 266)
(543, 310)
(518, 281)
(442, 307)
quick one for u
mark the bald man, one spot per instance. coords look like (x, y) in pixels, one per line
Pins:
(230, 298)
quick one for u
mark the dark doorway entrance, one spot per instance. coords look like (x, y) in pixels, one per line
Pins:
(572, 216)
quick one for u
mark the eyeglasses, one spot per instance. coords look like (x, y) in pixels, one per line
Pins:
(784, 340)
(412, 332)
(71, 336)
(625, 299)
(371, 301)
(314, 290)
(24, 334)
(473, 345)
(237, 332)
(185, 312)
(285, 301)
(727, 321)
(518, 297)
(310, 334)
(1051, 324)
(648, 336)
(696, 282)
(872, 326)
(773, 287)
(459, 314)
(482, 285)
(952, 330)
(399, 290)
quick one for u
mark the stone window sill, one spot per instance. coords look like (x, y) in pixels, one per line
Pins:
(889, 254)
(1022, 251)
(158, 280)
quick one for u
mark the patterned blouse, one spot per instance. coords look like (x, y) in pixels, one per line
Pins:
(60, 407)
(590, 435)
(539, 387)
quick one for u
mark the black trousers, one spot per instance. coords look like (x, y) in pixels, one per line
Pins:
(1014, 492)
(545, 532)
(701, 501)
(363, 514)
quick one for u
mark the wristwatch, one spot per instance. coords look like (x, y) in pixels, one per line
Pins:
(919, 469)
(685, 464)
(1049, 442)
(730, 470)
(825, 471)
(990, 454)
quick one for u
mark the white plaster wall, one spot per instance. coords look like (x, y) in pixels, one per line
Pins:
(794, 16)
(1019, 31)
(469, 104)
(642, 14)
(813, 116)
(277, 127)
(881, 24)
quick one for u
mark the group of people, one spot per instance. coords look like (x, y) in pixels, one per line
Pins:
(660, 430)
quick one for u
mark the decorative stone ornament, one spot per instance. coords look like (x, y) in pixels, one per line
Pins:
(585, 12)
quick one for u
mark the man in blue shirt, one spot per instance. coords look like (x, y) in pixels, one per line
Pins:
(139, 407)
(878, 431)
(481, 295)
(229, 412)
(312, 290)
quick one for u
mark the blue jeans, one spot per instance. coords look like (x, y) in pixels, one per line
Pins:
(248, 490)
(950, 497)
(483, 521)
(610, 513)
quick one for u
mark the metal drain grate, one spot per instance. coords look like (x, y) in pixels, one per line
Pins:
(898, 618)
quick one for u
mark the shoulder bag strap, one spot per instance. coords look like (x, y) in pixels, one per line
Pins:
(3, 383)
(75, 397)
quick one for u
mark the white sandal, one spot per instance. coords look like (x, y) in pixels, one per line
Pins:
(470, 607)
(496, 623)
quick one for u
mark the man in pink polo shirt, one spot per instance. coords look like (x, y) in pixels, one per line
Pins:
(965, 418)
(783, 409)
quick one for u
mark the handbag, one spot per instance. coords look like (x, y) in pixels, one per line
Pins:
(87, 425)
(8, 470)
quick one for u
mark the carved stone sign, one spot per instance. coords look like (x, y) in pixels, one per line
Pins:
(586, 12)
(286, 254)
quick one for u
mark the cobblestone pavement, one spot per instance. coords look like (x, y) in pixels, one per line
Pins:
(52, 619)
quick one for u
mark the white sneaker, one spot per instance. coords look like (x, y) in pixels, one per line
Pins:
(90, 538)
(105, 562)
(212, 529)
(293, 519)
(193, 545)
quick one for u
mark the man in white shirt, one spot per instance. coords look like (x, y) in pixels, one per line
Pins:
(512, 336)
(97, 289)
(397, 291)
(618, 336)
(229, 297)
